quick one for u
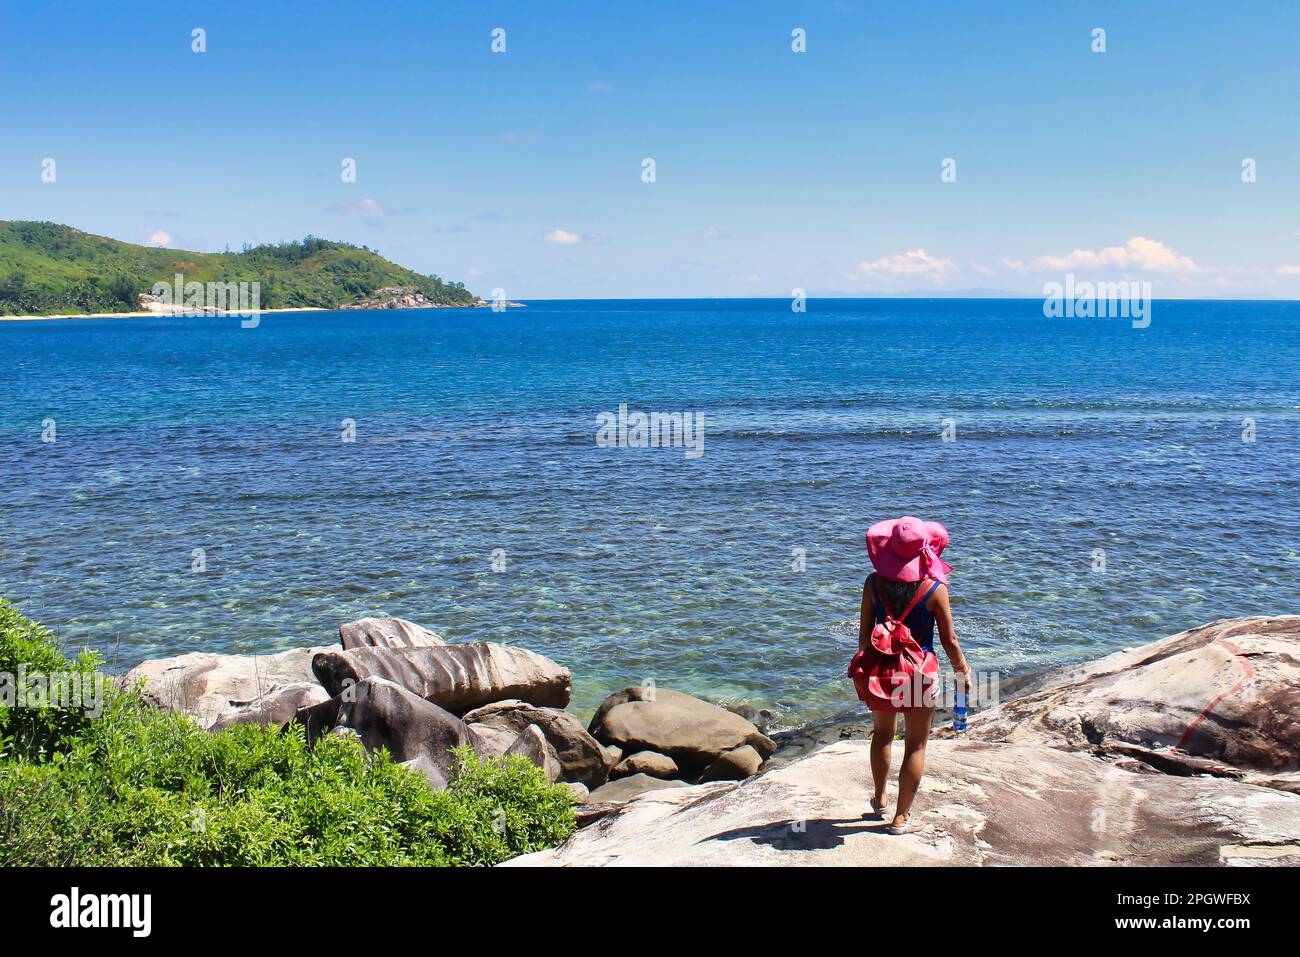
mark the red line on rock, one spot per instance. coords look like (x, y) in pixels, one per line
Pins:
(1248, 672)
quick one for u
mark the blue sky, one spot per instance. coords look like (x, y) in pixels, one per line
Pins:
(774, 169)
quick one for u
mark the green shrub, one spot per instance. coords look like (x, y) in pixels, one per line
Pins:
(138, 786)
(28, 649)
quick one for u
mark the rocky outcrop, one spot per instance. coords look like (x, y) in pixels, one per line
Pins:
(386, 633)
(1156, 755)
(410, 297)
(692, 732)
(456, 677)
(386, 715)
(979, 804)
(1222, 699)
(220, 690)
(579, 756)
(393, 297)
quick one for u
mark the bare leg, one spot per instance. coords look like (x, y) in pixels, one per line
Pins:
(884, 726)
(916, 732)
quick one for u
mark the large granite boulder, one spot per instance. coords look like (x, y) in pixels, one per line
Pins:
(386, 715)
(456, 677)
(1221, 698)
(979, 804)
(692, 732)
(580, 756)
(220, 690)
(386, 633)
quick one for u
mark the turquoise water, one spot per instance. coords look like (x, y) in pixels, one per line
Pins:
(476, 431)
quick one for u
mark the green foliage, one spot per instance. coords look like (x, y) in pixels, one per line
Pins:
(138, 787)
(46, 268)
(28, 649)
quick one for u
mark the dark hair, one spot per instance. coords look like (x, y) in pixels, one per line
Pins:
(897, 595)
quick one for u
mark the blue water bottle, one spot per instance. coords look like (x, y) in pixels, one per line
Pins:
(959, 711)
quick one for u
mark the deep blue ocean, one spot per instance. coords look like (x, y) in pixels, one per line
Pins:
(735, 575)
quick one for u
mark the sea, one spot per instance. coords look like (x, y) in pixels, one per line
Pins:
(177, 484)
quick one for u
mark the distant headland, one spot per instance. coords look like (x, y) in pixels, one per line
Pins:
(51, 270)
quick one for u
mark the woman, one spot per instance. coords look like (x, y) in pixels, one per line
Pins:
(895, 671)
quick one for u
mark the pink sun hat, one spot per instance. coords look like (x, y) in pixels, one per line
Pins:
(907, 549)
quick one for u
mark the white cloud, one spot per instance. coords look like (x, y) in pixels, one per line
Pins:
(474, 271)
(514, 137)
(367, 208)
(159, 237)
(752, 277)
(562, 236)
(1139, 253)
(913, 263)
(599, 86)
(712, 232)
(1288, 270)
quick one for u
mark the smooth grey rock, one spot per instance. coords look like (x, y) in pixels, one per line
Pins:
(646, 762)
(1226, 693)
(734, 765)
(456, 677)
(625, 789)
(386, 715)
(386, 633)
(579, 791)
(429, 770)
(690, 731)
(532, 744)
(221, 690)
(580, 755)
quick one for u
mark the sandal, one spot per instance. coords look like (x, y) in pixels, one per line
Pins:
(878, 810)
(903, 828)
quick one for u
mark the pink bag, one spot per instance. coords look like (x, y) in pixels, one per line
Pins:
(894, 673)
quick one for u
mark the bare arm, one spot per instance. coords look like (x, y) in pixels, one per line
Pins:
(938, 604)
(866, 617)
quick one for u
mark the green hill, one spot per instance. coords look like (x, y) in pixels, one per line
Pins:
(48, 269)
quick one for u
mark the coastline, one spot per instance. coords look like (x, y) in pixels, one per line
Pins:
(1167, 727)
(146, 314)
(1178, 752)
